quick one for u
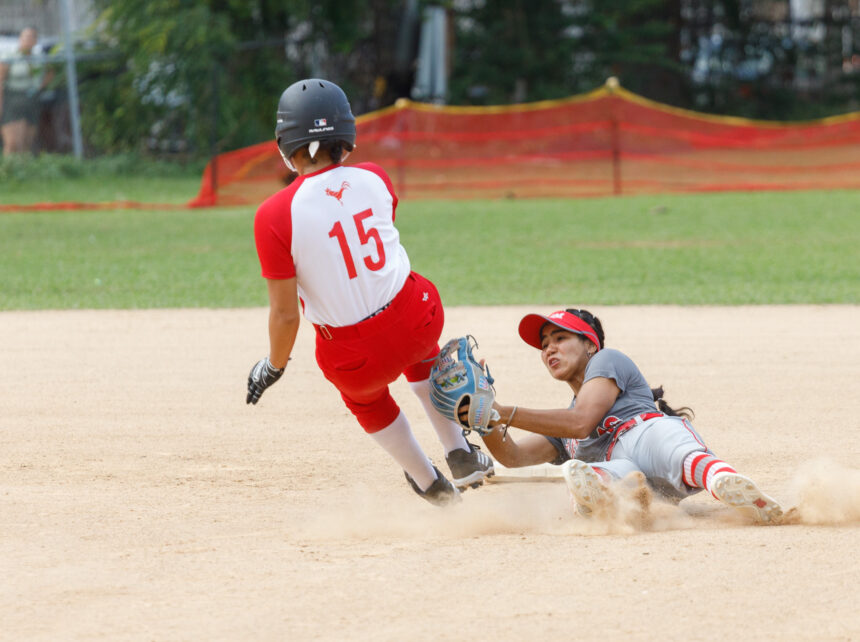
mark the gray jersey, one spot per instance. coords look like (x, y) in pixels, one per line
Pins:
(634, 399)
(657, 447)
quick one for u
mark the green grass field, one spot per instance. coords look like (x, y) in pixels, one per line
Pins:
(166, 189)
(55, 178)
(801, 247)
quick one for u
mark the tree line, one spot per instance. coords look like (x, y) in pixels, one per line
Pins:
(205, 75)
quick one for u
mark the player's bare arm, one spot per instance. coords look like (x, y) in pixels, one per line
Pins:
(594, 400)
(526, 450)
(283, 328)
(283, 319)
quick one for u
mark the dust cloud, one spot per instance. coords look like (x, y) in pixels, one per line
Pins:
(827, 494)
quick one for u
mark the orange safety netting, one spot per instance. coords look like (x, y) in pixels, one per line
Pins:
(609, 141)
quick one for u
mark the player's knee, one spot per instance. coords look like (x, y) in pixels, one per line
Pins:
(376, 415)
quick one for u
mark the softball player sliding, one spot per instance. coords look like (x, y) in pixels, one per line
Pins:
(613, 428)
(329, 240)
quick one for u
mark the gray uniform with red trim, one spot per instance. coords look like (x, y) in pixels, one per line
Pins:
(629, 438)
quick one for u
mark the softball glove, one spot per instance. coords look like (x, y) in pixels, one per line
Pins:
(457, 379)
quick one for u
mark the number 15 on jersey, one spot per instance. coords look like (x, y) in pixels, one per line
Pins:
(365, 235)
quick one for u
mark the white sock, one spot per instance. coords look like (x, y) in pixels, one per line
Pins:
(399, 442)
(449, 432)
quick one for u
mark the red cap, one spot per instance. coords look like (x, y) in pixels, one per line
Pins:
(531, 325)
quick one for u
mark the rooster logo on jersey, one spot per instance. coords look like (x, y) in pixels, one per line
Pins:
(338, 194)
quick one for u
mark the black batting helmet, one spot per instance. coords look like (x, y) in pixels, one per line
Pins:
(310, 110)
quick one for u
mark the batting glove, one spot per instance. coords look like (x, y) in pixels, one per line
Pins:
(263, 375)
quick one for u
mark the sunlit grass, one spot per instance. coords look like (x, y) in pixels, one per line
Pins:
(679, 249)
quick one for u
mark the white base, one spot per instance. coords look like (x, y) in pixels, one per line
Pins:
(538, 473)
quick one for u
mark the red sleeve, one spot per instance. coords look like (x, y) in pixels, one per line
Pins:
(273, 234)
(376, 169)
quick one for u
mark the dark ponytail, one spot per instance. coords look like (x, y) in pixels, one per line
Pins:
(666, 409)
(334, 149)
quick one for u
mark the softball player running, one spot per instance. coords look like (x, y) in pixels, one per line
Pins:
(329, 240)
(613, 428)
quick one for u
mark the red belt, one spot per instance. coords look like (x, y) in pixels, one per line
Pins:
(627, 425)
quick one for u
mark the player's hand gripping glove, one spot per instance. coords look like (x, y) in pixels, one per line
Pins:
(457, 379)
(263, 375)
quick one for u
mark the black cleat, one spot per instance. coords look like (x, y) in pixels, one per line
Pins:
(441, 491)
(469, 469)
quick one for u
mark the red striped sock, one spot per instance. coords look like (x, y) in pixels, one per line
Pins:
(700, 468)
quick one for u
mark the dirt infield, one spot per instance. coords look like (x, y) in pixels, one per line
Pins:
(141, 499)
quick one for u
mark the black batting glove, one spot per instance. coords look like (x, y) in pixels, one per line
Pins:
(263, 375)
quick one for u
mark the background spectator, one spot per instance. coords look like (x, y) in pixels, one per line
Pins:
(22, 80)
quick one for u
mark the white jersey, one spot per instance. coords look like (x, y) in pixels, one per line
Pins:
(334, 231)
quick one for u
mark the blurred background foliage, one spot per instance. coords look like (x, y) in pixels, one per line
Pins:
(196, 77)
(188, 78)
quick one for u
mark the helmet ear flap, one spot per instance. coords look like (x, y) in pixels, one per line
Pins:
(284, 156)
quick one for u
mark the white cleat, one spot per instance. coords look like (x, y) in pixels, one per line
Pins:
(741, 493)
(589, 493)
